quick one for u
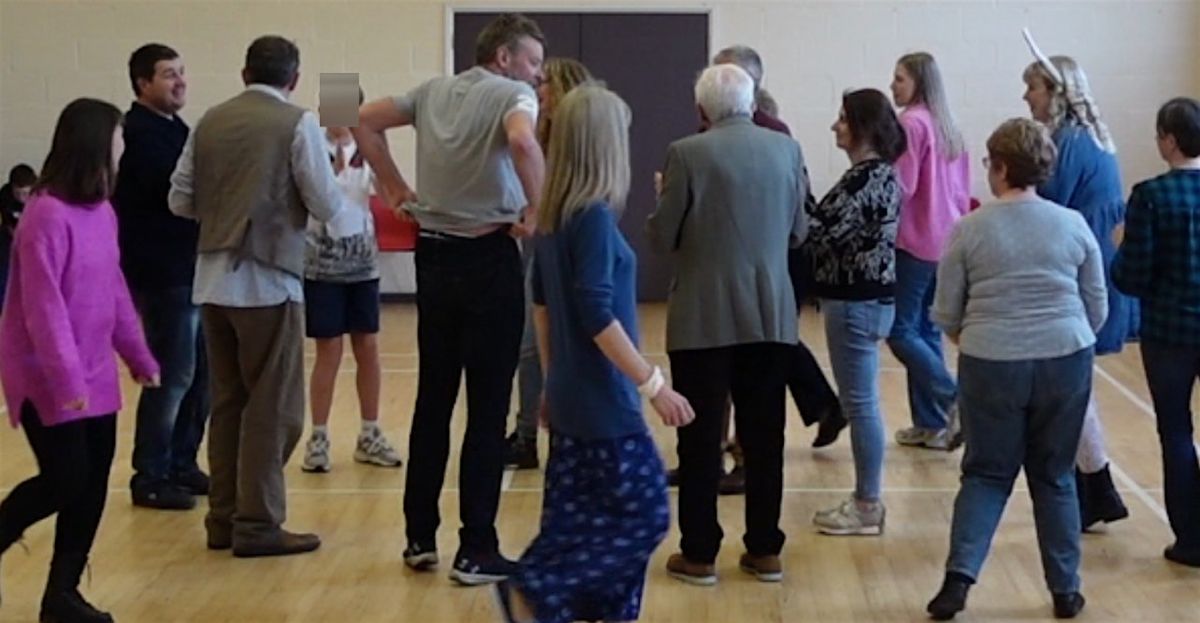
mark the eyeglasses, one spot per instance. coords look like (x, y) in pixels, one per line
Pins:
(987, 162)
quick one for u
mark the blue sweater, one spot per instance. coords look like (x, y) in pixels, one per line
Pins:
(585, 275)
(1087, 179)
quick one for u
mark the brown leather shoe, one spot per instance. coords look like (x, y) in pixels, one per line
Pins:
(282, 543)
(764, 568)
(690, 572)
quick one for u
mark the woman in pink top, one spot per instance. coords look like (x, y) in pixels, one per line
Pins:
(67, 310)
(935, 177)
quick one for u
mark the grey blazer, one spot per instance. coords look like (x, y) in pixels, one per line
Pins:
(732, 204)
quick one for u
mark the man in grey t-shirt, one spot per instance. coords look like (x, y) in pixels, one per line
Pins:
(479, 176)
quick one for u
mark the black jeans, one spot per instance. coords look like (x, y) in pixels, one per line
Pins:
(470, 313)
(1171, 373)
(754, 375)
(811, 391)
(74, 460)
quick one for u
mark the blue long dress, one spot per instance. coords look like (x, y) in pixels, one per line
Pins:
(1088, 179)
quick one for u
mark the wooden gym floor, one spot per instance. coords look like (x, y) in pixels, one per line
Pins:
(152, 566)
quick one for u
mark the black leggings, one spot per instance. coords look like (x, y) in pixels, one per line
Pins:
(74, 460)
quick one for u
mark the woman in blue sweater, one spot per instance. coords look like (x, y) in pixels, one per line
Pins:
(606, 507)
(1086, 178)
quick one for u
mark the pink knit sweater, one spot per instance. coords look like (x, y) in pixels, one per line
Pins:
(67, 309)
(937, 191)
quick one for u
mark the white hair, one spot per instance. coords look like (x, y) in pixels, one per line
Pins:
(725, 91)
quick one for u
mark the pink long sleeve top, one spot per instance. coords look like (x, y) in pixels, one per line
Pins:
(937, 191)
(68, 313)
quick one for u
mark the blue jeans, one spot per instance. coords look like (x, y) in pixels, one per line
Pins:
(529, 366)
(171, 418)
(1014, 414)
(853, 330)
(917, 343)
(1171, 373)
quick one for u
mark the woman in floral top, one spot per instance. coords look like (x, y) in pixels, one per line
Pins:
(852, 242)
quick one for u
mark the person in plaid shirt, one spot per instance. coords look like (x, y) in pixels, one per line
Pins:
(1157, 263)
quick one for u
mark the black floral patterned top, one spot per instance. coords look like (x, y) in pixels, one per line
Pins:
(852, 234)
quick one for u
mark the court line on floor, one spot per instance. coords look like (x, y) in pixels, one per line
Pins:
(1125, 479)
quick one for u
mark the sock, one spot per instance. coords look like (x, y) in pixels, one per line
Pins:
(320, 431)
(369, 427)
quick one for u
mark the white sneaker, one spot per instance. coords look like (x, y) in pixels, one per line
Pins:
(374, 448)
(925, 438)
(847, 519)
(316, 455)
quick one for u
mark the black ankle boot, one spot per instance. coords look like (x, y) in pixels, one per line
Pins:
(1067, 605)
(952, 599)
(62, 602)
(1099, 500)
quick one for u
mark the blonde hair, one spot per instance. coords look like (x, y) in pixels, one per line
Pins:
(930, 91)
(588, 159)
(1072, 100)
(562, 75)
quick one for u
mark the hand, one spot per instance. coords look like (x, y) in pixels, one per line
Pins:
(398, 198)
(673, 408)
(79, 404)
(526, 227)
(658, 184)
(151, 381)
(1118, 234)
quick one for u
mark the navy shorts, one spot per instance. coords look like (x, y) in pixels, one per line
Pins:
(335, 309)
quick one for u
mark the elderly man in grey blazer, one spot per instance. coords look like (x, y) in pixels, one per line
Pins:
(731, 205)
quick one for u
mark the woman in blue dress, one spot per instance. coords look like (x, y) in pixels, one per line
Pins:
(605, 507)
(1086, 178)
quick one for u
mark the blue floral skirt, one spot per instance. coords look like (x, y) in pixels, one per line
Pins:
(604, 513)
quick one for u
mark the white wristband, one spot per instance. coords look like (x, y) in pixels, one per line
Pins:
(653, 385)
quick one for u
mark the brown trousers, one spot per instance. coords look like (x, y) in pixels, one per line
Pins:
(256, 362)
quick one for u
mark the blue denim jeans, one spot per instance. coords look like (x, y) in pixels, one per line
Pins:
(917, 343)
(1171, 373)
(529, 366)
(171, 418)
(1014, 414)
(853, 330)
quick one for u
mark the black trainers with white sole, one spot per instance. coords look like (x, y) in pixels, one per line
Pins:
(472, 570)
(420, 557)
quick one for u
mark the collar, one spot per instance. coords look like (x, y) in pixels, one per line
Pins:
(268, 89)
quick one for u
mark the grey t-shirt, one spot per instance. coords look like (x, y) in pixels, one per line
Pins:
(1021, 280)
(465, 173)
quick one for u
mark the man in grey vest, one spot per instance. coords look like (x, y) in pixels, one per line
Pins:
(479, 175)
(251, 172)
(732, 205)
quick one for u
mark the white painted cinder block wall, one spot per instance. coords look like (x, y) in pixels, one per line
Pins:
(1138, 53)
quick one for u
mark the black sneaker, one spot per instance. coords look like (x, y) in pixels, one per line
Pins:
(193, 481)
(421, 556)
(163, 496)
(1181, 556)
(521, 453)
(950, 600)
(480, 570)
(1067, 605)
(733, 483)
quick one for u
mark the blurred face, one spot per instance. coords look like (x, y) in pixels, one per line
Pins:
(21, 193)
(841, 132)
(1038, 97)
(524, 63)
(167, 90)
(903, 86)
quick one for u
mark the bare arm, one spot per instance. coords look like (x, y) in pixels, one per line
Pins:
(529, 162)
(374, 119)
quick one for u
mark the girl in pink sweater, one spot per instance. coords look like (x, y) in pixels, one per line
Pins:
(67, 310)
(935, 178)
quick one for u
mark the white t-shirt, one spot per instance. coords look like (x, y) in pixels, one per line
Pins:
(345, 249)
